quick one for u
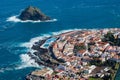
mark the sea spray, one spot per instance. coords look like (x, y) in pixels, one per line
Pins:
(33, 40)
(26, 61)
(16, 19)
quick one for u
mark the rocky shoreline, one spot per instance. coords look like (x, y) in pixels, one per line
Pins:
(44, 57)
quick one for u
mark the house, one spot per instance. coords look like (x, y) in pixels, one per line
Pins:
(42, 72)
(81, 53)
(61, 67)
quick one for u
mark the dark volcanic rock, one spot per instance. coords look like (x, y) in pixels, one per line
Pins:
(44, 57)
(33, 13)
(33, 77)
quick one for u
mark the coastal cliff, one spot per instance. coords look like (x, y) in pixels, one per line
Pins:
(33, 13)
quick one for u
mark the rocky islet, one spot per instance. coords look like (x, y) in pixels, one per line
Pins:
(33, 13)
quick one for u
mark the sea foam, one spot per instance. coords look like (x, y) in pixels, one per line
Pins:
(33, 40)
(16, 19)
(2, 70)
(26, 61)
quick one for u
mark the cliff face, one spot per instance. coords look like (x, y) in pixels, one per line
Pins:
(33, 13)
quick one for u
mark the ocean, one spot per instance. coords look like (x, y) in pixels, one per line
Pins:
(16, 37)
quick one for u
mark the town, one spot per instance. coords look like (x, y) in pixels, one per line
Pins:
(86, 55)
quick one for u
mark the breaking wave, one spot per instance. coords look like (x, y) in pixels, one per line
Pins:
(26, 61)
(2, 70)
(16, 19)
(33, 40)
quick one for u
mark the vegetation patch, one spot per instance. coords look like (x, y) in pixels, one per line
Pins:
(79, 47)
(111, 38)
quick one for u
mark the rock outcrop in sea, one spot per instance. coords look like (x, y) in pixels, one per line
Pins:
(33, 13)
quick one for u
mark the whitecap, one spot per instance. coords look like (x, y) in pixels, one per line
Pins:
(16, 19)
(33, 40)
(2, 70)
(26, 61)
(30, 43)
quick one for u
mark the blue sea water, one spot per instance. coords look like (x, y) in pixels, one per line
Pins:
(48, 42)
(17, 37)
